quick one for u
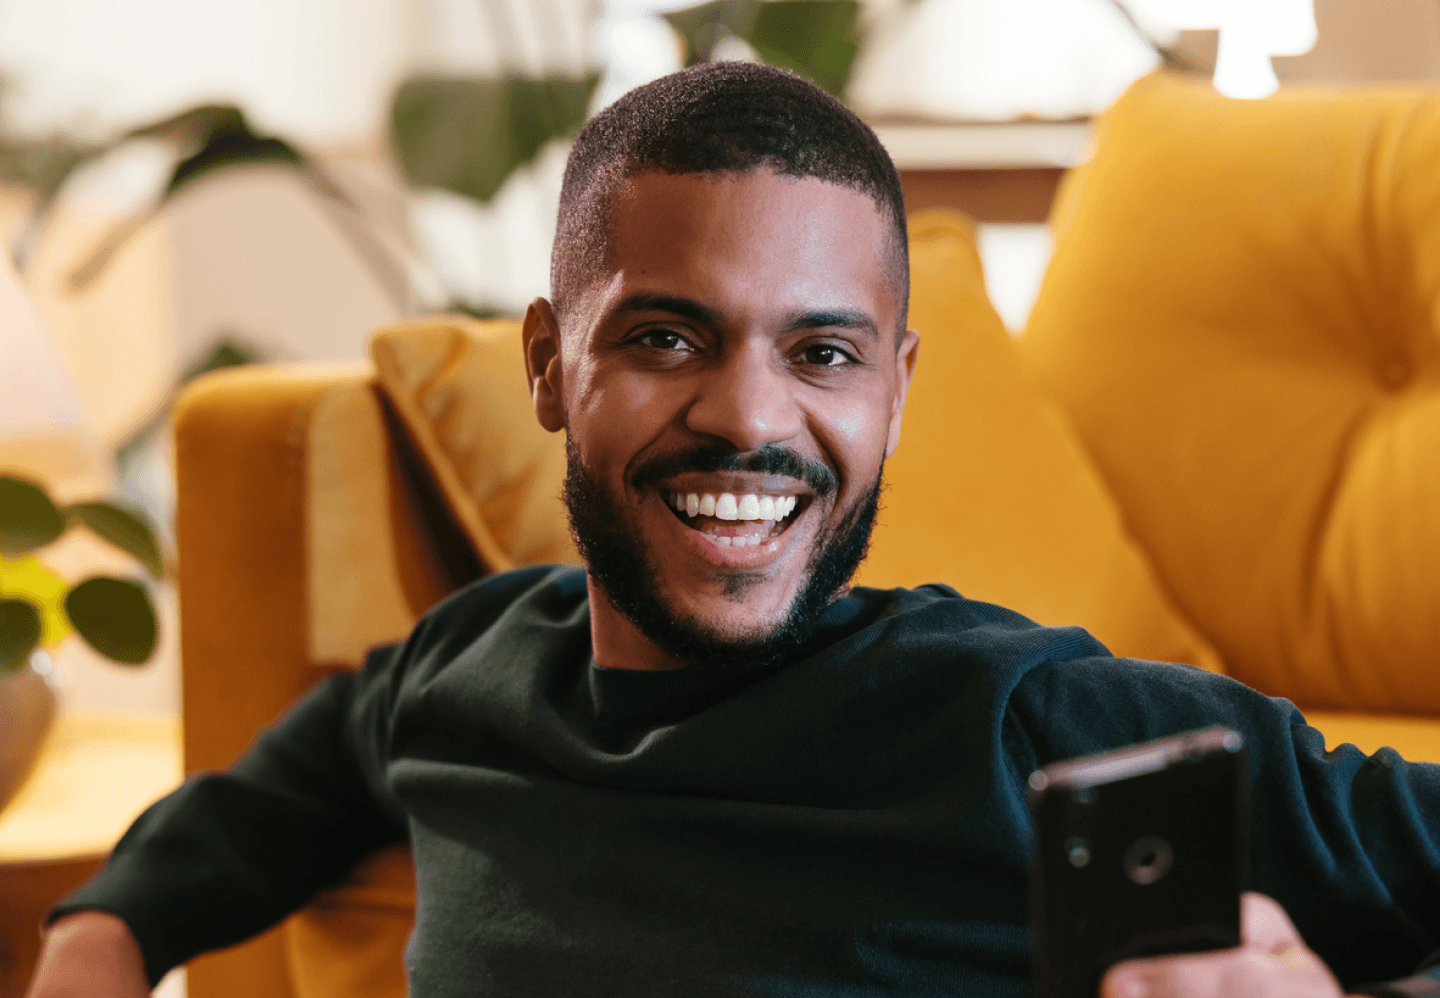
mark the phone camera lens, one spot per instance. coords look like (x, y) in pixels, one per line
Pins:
(1148, 859)
(1077, 850)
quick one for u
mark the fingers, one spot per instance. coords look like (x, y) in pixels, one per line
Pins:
(1272, 961)
(1237, 973)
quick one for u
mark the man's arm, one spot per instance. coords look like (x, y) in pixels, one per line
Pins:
(1348, 844)
(230, 854)
(90, 954)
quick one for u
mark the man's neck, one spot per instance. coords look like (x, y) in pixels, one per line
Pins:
(619, 644)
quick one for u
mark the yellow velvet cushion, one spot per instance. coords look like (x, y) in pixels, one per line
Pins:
(1240, 318)
(458, 385)
(989, 489)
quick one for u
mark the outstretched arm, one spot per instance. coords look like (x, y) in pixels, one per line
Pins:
(230, 854)
(90, 954)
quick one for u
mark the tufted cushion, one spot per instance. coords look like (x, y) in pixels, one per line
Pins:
(990, 490)
(1240, 317)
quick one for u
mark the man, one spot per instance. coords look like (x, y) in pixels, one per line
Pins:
(704, 766)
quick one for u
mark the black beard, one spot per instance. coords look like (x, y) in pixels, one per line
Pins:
(618, 559)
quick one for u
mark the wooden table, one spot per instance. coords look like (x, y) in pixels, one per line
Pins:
(96, 775)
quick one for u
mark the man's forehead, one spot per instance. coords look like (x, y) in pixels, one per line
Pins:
(800, 242)
(750, 195)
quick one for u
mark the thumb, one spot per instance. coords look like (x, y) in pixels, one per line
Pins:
(1265, 926)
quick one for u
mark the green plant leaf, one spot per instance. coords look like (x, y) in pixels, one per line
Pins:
(28, 519)
(468, 135)
(19, 632)
(122, 528)
(816, 38)
(115, 617)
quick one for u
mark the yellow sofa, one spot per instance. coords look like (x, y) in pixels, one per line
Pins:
(322, 510)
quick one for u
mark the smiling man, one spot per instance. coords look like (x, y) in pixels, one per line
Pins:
(729, 394)
(704, 765)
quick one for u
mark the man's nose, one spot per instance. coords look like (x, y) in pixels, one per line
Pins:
(746, 399)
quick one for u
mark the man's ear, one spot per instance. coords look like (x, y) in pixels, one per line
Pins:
(905, 359)
(541, 337)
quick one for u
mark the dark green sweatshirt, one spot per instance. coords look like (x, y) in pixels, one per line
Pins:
(853, 824)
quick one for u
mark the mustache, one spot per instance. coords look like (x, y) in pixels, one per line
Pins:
(771, 459)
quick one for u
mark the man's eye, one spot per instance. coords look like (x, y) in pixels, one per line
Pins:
(825, 355)
(663, 339)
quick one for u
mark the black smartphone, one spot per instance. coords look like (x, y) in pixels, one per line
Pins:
(1141, 851)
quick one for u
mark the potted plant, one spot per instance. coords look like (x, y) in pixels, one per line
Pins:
(38, 609)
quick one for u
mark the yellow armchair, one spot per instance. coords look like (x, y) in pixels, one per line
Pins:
(1215, 444)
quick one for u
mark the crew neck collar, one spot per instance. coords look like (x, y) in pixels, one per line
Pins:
(633, 699)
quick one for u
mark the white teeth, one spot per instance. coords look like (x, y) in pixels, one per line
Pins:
(724, 542)
(728, 506)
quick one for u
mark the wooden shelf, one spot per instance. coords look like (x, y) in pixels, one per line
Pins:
(95, 777)
(1002, 146)
(97, 773)
(1006, 172)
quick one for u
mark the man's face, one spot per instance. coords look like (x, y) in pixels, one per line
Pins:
(731, 390)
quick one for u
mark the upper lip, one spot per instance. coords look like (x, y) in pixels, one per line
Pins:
(736, 483)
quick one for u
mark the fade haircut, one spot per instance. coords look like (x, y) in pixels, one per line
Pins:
(719, 117)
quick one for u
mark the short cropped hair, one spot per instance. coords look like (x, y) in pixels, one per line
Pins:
(719, 117)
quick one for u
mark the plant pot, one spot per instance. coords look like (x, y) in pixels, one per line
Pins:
(27, 709)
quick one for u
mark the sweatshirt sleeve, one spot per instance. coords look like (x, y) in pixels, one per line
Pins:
(1349, 844)
(229, 854)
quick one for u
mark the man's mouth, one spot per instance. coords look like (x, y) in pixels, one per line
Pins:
(734, 520)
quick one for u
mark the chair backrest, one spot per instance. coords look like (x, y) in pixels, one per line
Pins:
(1240, 319)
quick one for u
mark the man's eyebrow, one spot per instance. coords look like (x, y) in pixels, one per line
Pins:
(656, 301)
(839, 318)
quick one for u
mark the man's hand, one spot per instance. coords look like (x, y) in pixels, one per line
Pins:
(90, 954)
(1271, 962)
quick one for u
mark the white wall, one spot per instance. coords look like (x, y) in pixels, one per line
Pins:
(317, 70)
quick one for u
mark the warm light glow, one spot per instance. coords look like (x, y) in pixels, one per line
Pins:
(1251, 31)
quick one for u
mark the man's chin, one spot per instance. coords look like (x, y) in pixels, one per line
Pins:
(620, 562)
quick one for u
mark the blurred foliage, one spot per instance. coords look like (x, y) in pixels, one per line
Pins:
(817, 39)
(114, 615)
(123, 529)
(205, 138)
(212, 136)
(469, 135)
(26, 578)
(28, 519)
(43, 164)
(19, 631)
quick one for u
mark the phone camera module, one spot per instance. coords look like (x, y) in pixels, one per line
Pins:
(1077, 850)
(1148, 859)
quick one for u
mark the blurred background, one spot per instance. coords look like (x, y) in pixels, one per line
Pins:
(187, 186)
